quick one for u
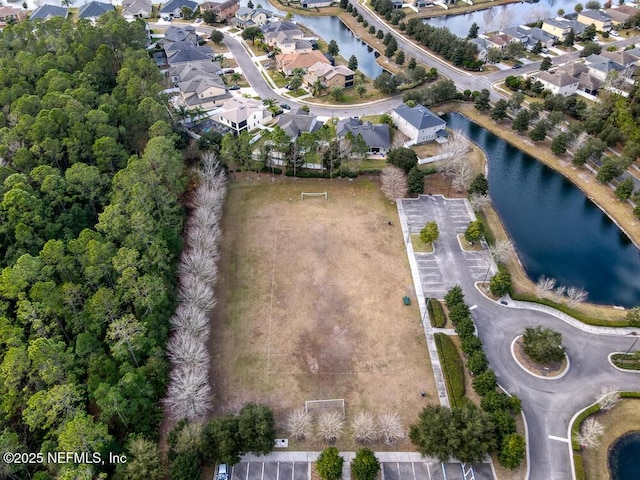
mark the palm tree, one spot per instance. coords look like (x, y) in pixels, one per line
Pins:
(269, 103)
(295, 83)
(66, 3)
(235, 78)
(317, 88)
(297, 72)
(337, 93)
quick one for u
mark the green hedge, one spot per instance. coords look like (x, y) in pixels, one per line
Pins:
(619, 361)
(452, 369)
(630, 394)
(577, 461)
(317, 174)
(570, 311)
(436, 313)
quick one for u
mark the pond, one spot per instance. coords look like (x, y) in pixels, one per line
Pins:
(557, 231)
(511, 15)
(331, 28)
(623, 458)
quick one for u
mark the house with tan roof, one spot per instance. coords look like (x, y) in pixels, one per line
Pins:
(621, 14)
(559, 82)
(586, 82)
(223, 10)
(500, 41)
(243, 114)
(329, 76)
(601, 20)
(288, 62)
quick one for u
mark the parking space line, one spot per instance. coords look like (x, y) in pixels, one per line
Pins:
(262, 474)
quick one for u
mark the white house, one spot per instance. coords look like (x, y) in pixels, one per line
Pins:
(173, 8)
(243, 114)
(418, 123)
(559, 82)
(132, 9)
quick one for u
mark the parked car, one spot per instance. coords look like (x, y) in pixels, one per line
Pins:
(223, 472)
(271, 54)
(613, 33)
(516, 66)
(234, 87)
(285, 106)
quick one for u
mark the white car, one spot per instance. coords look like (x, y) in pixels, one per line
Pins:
(223, 472)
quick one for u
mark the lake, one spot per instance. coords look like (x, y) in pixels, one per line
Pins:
(624, 458)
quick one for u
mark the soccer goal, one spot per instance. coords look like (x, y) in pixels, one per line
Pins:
(312, 194)
(318, 406)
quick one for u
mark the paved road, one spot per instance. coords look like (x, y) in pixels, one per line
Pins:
(548, 404)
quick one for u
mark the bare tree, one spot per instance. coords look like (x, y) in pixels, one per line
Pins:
(463, 176)
(330, 425)
(394, 183)
(196, 293)
(391, 428)
(199, 264)
(187, 350)
(364, 427)
(578, 142)
(576, 296)
(488, 17)
(501, 250)
(590, 433)
(559, 291)
(545, 286)
(454, 163)
(192, 320)
(189, 393)
(299, 424)
(504, 19)
(479, 202)
(536, 13)
(608, 398)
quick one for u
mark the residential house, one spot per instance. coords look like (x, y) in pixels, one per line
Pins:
(586, 82)
(500, 41)
(297, 122)
(418, 123)
(185, 52)
(93, 10)
(600, 67)
(173, 8)
(530, 36)
(243, 114)
(329, 76)
(601, 20)
(46, 11)
(560, 27)
(483, 46)
(180, 34)
(559, 82)
(315, 3)
(279, 26)
(132, 9)
(199, 84)
(621, 14)
(377, 137)
(288, 41)
(224, 10)
(251, 17)
(628, 58)
(288, 62)
(9, 15)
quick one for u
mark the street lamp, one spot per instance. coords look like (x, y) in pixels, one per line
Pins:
(634, 334)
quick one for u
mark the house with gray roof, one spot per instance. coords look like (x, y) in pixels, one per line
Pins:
(560, 27)
(315, 3)
(601, 20)
(184, 52)
(600, 66)
(180, 34)
(93, 10)
(173, 8)
(132, 9)
(281, 26)
(530, 36)
(251, 17)
(559, 82)
(297, 122)
(418, 123)
(46, 11)
(377, 137)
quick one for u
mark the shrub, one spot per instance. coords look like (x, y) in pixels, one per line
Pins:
(452, 368)
(543, 345)
(459, 312)
(512, 451)
(485, 382)
(454, 296)
(415, 181)
(429, 233)
(471, 344)
(465, 328)
(504, 424)
(500, 283)
(365, 465)
(494, 401)
(436, 313)
(477, 363)
(329, 464)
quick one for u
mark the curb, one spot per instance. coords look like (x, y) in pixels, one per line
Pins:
(562, 374)
(625, 370)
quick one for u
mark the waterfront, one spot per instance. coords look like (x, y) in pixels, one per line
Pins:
(557, 231)
(623, 458)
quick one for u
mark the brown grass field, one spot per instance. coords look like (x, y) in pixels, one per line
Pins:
(311, 303)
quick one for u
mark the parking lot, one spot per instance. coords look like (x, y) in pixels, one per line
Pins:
(390, 471)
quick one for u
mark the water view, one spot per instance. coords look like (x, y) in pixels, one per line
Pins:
(331, 28)
(557, 231)
(492, 19)
(623, 458)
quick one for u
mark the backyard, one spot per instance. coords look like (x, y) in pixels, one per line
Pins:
(311, 303)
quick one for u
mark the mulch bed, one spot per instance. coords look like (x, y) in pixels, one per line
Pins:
(551, 369)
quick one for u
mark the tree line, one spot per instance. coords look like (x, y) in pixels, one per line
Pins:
(91, 217)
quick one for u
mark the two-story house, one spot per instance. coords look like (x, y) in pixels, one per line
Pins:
(560, 27)
(601, 20)
(251, 17)
(243, 114)
(329, 76)
(559, 82)
(288, 62)
(418, 123)
(93, 10)
(173, 8)
(288, 41)
(224, 10)
(132, 9)
(376, 136)
(46, 11)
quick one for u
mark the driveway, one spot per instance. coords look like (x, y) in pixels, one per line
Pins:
(548, 404)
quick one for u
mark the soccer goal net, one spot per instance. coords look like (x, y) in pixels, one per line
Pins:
(319, 406)
(312, 194)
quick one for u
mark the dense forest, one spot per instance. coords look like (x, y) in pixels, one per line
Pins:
(90, 223)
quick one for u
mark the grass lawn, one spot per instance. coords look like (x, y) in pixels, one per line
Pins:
(303, 313)
(298, 93)
(419, 245)
(372, 164)
(350, 96)
(621, 419)
(279, 79)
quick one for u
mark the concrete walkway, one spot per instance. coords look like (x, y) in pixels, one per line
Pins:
(426, 323)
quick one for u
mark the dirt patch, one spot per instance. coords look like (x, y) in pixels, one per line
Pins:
(621, 419)
(311, 303)
(548, 370)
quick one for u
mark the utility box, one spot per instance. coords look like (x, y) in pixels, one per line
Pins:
(406, 300)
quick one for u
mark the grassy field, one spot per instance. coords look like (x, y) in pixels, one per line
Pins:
(311, 303)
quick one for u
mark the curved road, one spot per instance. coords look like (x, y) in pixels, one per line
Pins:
(548, 405)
